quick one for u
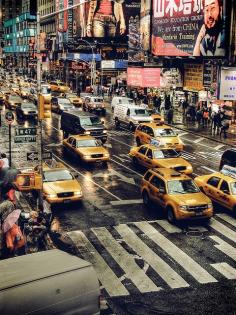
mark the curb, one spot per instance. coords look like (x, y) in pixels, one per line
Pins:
(204, 136)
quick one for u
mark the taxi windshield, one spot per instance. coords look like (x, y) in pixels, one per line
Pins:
(28, 106)
(15, 98)
(90, 121)
(71, 95)
(164, 132)
(86, 143)
(162, 154)
(64, 101)
(182, 186)
(56, 175)
(233, 188)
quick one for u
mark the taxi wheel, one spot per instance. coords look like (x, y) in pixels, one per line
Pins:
(146, 199)
(138, 142)
(170, 215)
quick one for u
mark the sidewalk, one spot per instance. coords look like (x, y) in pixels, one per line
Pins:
(204, 131)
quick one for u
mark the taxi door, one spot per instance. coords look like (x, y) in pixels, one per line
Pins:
(155, 185)
(223, 194)
(148, 159)
(211, 187)
(141, 155)
(71, 145)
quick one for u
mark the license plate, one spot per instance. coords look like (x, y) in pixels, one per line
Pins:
(98, 161)
(198, 213)
(66, 201)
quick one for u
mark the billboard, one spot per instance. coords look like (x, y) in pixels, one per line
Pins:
(145, 19)
(104, 19)
(227, 88)
(188, 28)
(64, 22)
(193, 77)
(144, 77)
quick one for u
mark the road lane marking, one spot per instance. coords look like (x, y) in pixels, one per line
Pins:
(198, 140)
(88, 179)
(219, 146)
(208, 169)
(226, 270)
(227, 218)
(126, 202)
(127, 168)
(170, 228)
(112, 172)
(130, 146)
(182, 133)
(171, 277)
(222, 229)
(186, 262)
(105, 274)
(224, 247)
(125, 261)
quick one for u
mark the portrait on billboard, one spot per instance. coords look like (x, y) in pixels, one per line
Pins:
(145, 24)
(103, 18)
(188, 28)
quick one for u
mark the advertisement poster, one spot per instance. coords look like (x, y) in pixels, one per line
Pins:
(227, 88)
(193, 77)
(144, 77)
(171, 78)
(188, 28)
(145, 19)
(104, 19)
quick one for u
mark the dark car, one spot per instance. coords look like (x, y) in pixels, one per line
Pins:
(77, 122)
(26, 110)
(228, 158)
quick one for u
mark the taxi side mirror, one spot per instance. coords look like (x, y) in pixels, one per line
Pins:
(226, 192)
(162, 190)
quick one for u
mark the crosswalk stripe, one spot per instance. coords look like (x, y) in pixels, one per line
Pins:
(226, 270)
(224, 247)
(222, 229)
(227, 218)
(168, 227)
(105, 274)
(125, 261)
(160, 266)
(198, 140)
(192, 267)
(182, 133)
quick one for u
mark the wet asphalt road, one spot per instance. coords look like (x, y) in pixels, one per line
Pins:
(174, 270)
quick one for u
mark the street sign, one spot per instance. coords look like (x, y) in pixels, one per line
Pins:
(9, 116)
(25, 135)
(32, 156)
(47, 155)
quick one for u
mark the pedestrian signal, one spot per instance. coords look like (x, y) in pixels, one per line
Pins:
(28, 181)
(44, 106)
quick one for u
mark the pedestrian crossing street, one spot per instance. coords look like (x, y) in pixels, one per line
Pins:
(149, 256)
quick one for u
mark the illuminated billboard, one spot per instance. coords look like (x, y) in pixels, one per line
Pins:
(104, 18)
(188, 28)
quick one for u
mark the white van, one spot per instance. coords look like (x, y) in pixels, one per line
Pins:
(49, 282)
(130, 116)
(121, 100)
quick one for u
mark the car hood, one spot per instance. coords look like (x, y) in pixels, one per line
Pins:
(91, 150)
(30, 110)
(173, 162)
(61, 186)
(170, 140)
(195, 199)
(141, 118)
(96, 127)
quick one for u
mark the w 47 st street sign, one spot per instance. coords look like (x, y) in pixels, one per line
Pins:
(25, 135)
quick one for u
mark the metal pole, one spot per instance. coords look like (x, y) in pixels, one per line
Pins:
(40, 133)
(10, 158)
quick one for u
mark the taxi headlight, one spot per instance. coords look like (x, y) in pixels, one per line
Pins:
(51, 195)
(25, 113)
(104, 131)
(106, 155)
(189, 167)
(87, 132)
(183, 208)
(209, 205)
(78, 193)
(87, 156)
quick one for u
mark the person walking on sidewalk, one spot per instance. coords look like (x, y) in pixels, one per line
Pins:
(199, 117)
(170, 115)
(223, 129)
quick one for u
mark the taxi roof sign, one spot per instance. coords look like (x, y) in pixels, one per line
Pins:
(229, 171)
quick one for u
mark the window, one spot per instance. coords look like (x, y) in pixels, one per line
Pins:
(224, 187)
(71, 141)
(179, 187)
(149, 153)
(213, 181)
(147, 176)
(142, 150)
(149, 131)
(157, 182)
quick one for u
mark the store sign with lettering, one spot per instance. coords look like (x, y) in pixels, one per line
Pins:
(193, 77)
(227, 84)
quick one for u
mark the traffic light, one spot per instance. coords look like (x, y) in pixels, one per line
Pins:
(28, 181)
(44, 106)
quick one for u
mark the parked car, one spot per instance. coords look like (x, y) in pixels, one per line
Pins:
(26, 110)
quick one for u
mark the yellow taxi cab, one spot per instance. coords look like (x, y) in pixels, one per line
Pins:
(163, 134)
(176, 193)
(150, 156)
(220, 187)
(86, 148)
(157, 118)
(74, 99)
(57, 86)
(59, 185)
